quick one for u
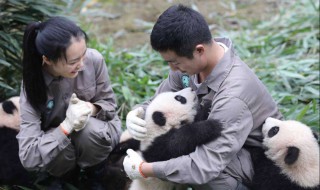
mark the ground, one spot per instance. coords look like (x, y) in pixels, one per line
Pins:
(129, 22)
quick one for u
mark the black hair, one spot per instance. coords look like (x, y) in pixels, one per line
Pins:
(51, 39)
(180, 29)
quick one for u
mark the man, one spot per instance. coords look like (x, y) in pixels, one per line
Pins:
(239, 100)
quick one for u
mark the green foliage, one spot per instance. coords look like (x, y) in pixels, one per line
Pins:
(284, 53)
(14, 16)
(135, 74)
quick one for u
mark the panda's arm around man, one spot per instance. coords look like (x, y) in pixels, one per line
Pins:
(184, 140)
(179, 140)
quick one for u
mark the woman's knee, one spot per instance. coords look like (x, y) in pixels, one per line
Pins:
(64, 162)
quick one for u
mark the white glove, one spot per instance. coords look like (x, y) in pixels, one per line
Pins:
(77, 115)
(136, 124)
(132, 165)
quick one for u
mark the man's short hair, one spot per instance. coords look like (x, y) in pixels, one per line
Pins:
(180, 29)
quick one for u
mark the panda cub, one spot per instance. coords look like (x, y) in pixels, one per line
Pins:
(176, 124)
(11, 170)
(9, 113)
(290, 159)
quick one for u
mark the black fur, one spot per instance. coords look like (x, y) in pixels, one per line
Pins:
(115, 177)
(182, 141)
(122, 148)
(8, 107)
(11, 170)
(268, 175)
(178, 142)
(181, 99)
(159, 118)
(292, 155)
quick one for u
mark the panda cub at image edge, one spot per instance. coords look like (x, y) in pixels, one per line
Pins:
(9, 113)
(11, 170)
(290, 159)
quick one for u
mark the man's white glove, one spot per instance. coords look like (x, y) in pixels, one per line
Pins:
(77, 115)
(136, 124)
(132, 165)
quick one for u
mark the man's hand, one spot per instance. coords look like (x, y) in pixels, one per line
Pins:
(77, 115)
(132, 165)
(136, 124)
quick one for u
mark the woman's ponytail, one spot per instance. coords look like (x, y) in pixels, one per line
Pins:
(33, 81)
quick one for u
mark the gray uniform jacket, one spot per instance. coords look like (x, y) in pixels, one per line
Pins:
(40, 139)
(242, 103)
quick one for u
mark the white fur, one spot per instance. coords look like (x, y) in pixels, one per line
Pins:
(11, 120)
(174, 112)
(305, 171)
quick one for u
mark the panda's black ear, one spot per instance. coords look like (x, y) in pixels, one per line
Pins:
(159, 118)
(8, 107)
(292, 155)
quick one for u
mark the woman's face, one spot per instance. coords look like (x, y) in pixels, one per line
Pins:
(69, 67)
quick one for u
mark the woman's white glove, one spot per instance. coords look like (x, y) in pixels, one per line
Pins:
(136, 124)
(132, 165)
(77, 115)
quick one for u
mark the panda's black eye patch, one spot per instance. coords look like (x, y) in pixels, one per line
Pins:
(273, 131)
(159, 118)
(181, 99)
(8, 107)
(183, 122)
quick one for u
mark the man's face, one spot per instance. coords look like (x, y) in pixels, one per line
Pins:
(183, 64)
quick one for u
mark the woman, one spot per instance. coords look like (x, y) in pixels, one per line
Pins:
(57, 136)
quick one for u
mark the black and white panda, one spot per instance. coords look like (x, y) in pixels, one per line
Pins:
(11, 169)
(9, 113)
(290, 159)
(176, 124)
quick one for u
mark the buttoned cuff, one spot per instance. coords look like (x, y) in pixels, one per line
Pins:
(62, 139)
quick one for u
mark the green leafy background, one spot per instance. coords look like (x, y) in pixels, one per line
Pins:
(282, 50)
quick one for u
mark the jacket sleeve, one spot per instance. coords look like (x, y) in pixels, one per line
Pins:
(104, 96)
(210, 159)
(36, 147)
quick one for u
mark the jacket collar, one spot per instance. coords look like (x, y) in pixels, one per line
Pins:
(220, 71)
